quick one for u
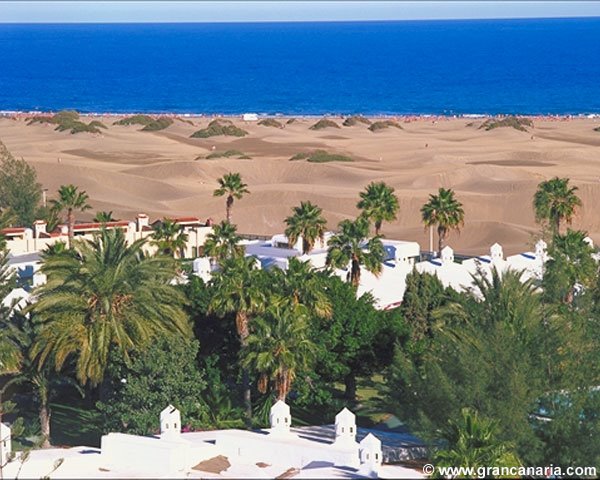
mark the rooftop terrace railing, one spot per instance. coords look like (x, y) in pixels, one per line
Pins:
(254, 236)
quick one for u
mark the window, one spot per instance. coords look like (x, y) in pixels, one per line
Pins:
(342, 429)
(166, 425)
(351, 430)
(175, 426)
(285, 419)
(376, 456)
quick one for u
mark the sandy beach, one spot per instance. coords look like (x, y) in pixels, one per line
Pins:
(494, 173)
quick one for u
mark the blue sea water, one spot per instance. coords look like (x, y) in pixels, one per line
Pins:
(532, 66)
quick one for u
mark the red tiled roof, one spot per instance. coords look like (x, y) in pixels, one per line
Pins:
(12, 230)
(98, 225)
(185, 219)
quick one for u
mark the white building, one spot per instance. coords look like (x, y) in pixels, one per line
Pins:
(250, 117)
(21, 241)
(270, 453)
(387, 288)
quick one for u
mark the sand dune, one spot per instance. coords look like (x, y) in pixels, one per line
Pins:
(494, 173)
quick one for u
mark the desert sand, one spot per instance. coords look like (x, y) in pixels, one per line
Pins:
(494, 173)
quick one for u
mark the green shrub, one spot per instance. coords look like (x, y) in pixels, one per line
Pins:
(148, 123)
(270, 122)
(290, 121)
(68, 120)
(355, 120)
(321, 156)
(158, 124)
(228, 154)
(324, 123)
(164, 373)
(135, 120)
(383, 124)
(518, 123)
(98, 123)
(597, 129)
(77, 127)
(300, 156)
(220, 127)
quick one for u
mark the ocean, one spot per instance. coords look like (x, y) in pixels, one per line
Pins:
(533, 66)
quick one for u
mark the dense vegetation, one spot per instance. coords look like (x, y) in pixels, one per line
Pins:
(68, 120)
(383, 124)
(324, 123)
(228, 154)
(20, 192)
(270, 122)
(149, 124)
(135, 120)
(505, 374)
(321, 156)
(220, 127)
(518, 123)
(356, 120)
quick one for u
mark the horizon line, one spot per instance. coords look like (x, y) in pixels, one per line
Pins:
(399, 20)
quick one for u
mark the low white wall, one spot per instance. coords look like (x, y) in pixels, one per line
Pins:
(153, 455)
(278, 449)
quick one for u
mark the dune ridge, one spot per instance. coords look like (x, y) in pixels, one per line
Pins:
(493, 172)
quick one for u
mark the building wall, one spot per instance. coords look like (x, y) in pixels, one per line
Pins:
(279, 448)
(28, 243)
(152, 455)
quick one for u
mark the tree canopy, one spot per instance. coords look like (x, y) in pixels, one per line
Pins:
(107, 295)
(379, 204)
(20, 191)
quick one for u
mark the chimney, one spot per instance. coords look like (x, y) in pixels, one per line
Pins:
(39, 228)
(142, 221)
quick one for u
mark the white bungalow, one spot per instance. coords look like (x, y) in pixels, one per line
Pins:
(450, 273)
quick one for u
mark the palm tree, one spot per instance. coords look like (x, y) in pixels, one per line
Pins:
(22, 330)
(104, 217)
(444, 211)
(237, 289)
(231, 185)
(10, 355)
(301, 283)
(57, 248)
(472, 442)
(169, 238)
(223, 242)
(570, 266)
(280, 345)
(379, 204)
(108, 295)
(352, 246)
(555, 201)
(306, 222)
(506, 298)
(71, 200)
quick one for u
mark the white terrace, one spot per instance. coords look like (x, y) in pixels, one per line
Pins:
(269, 453)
